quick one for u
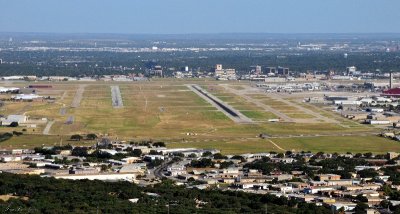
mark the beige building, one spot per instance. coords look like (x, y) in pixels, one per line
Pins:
(221, 73)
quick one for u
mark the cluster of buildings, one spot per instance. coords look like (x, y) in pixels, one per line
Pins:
(322, 189)
(291, 87)
(18, 119)
(256, 73)
(374, 110)
(64, 163)
(224, 73)
(268, 74)
(23, 94)
(147, 163)
(118, 78)
(21, 120)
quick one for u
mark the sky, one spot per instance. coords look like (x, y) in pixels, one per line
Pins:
(200, 16)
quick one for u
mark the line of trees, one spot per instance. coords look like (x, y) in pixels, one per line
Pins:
(78, 137)
(48, 195)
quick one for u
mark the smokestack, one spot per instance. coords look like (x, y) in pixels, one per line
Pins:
(390, 81)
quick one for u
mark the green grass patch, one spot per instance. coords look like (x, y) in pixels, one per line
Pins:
(259, 115)
(340, 144)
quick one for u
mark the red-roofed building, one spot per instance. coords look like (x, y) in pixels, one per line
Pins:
(394, 92)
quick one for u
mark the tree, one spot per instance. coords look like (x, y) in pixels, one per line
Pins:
(368, 155)
(76, 137)
(367, 173)
(5, 136)
(14, 124)
(207, 154)
(219, 156)
(91, 136)
(387, 189)
(361, 198)
(17, 133)
(80, 151)
(225, 164)
(193, 155)
(238, 157)
(136, 153)
(361, 208)
(159, 144)
(202, 163)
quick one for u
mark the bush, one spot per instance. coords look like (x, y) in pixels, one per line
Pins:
(17, 133)
(5, 136)
(91, 136)
(14, 124)
(76, 137)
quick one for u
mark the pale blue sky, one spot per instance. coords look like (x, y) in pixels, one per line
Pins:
(200, 16)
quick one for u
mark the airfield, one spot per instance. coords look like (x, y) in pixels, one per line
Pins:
(171, 110)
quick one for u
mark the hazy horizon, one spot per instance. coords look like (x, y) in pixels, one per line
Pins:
(200, 17)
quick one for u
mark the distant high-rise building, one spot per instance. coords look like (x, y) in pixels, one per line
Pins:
(350, 70)
(270, 70)
(218, 70)
(283, 71)
(187, 68)
(258, 70)
(157, 71)
(224, 73)
(390, 80)
(1, 61)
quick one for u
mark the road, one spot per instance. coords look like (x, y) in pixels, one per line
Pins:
(158, 171)
(276, 145)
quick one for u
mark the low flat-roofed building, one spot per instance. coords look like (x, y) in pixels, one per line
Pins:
(347, 206)
(361, 187)
(13, 118)
(10, 158)
(103, 177)
(84, 171)
(316, 189)
(26, 97)
(325, 177)
(130, 160)
(342, 182)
